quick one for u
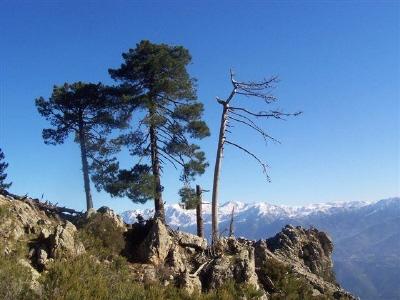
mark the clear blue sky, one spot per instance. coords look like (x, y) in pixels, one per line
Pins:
(337, 61)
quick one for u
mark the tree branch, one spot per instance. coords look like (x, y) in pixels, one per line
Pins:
(170, 156)
(254, 126)
(271, 114)
(263, 165)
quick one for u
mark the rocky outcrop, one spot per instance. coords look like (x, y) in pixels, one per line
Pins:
(110, 214)
(306, 253)
(237, 260)
(161, 255)
(308, 248)
(57, 244)
(156, 245)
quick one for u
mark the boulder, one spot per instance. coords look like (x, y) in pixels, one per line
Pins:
(109, 213)
(62, 242)
(177, 259)
(237, 262)
(189, 240)
(156, 245)
(189, 283)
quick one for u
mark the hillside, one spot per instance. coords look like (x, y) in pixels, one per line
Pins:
(365, 234)
(50, 252)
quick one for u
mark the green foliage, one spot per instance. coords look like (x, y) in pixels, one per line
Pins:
(82, 109)
(136, 183)
(84, 278)
(101, 237)
(15, 278)
(163, 96)
(288, 284)
(3, 174)
(233, 290)
(89, 112)
(188, 197)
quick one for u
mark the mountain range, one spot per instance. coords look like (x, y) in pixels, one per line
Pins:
(366, 235)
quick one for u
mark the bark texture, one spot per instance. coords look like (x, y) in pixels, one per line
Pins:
(199, 213)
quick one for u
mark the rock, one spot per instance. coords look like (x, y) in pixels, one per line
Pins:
(35, 285)
(44, 233)
(309, 247)
(189, 283)
(145, 273)
(90, 212)
(237, 262)
(176, 259)
(157, 244)
(41, 257)
(62, 242)
(189, 240)
(308, 253)
(107, 212)
(168, 256)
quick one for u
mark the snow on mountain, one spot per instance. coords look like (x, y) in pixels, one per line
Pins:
(177, 216)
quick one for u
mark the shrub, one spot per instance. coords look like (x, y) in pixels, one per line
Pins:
(289, 284)
(85, 278)
(15, 279)
(101, 237)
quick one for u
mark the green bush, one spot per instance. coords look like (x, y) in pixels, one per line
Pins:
(101, 237)
(289, 285)
(85, 278)
(15, 279)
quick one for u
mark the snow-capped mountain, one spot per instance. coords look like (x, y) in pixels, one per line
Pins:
(178, 216)
(366, 235)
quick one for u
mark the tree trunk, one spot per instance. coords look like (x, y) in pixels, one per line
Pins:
(217, 169)
(199, 213)
(231, 223)
(85, 168)
(155, 165)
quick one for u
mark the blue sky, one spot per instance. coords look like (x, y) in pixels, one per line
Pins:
(337, 61)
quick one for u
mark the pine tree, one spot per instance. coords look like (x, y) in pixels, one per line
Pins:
(3, 174)
(90, 112)
(168, 116)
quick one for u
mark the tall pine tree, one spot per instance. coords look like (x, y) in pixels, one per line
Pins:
(3, 174)
(168, 116)
(88, 111)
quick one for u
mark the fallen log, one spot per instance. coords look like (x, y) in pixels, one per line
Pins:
(45, 206)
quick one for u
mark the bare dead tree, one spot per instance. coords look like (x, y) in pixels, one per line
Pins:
(260, 90)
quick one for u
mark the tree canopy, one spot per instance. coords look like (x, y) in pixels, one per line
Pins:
(167, 118)
(89, 111)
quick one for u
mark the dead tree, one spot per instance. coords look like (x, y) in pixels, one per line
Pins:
(231, 222)
(260, 90)
(199, 212)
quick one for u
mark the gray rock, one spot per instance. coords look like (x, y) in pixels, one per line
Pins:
(236, 262)
(108, 212)
(62, 242)
(189, 283)
(157, 244)
(189, 240)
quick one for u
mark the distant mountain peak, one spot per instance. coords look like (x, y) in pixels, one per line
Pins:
(177, 216)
